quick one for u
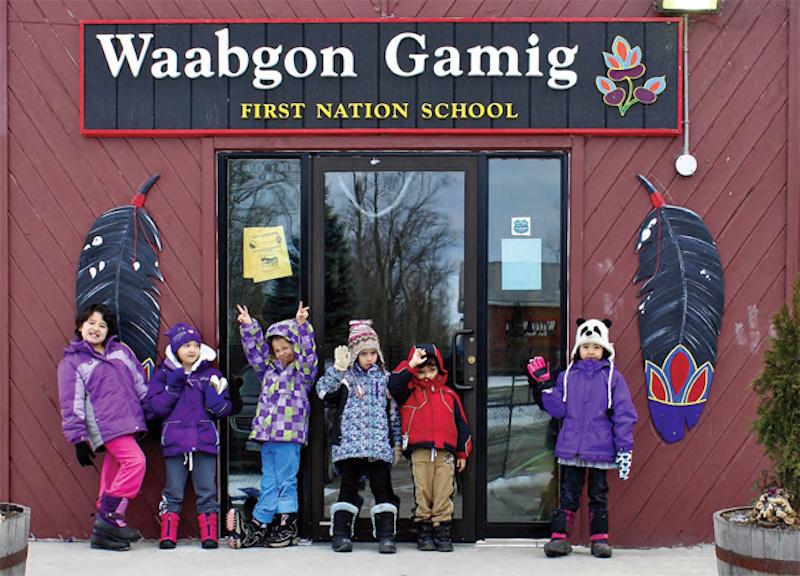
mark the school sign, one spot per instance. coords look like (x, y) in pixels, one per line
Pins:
(195, 78)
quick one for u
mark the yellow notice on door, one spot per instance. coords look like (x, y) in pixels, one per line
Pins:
(265, 254)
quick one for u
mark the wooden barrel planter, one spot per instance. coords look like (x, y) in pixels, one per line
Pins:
(14, 530)
(750, 549)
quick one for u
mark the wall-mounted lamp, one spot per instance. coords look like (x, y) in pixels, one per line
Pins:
(686, 164)
(688, 6)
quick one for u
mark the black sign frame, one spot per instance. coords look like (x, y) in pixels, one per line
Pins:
(128, 106)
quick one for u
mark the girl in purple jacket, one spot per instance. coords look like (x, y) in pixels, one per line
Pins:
(594, 404)
(101, 387)
(190, 395)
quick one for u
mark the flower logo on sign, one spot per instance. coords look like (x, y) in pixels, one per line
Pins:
(624, 66)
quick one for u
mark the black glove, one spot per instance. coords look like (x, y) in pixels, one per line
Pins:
(235, 396)
(84, 453)
(176, 379)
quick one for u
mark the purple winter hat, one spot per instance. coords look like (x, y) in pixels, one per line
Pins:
(181, 333)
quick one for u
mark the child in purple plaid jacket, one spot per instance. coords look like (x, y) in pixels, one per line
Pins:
(286, 361)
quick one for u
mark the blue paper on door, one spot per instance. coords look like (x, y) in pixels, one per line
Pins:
(521, 263)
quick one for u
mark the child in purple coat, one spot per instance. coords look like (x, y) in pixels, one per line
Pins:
(101, 387)
(594, 403)
(190, 395)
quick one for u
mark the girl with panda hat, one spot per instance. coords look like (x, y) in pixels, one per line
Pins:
(592, 400)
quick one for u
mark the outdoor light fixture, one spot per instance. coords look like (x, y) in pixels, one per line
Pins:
(685, 163)
(688, 6)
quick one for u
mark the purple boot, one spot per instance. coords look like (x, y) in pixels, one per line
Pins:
(110, 520)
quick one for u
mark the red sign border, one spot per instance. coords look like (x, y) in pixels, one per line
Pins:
(204, 132)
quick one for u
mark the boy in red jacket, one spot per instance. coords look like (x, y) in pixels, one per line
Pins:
(435, 437)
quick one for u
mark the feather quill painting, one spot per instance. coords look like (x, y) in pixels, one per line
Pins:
(680, 313)
(118, 267)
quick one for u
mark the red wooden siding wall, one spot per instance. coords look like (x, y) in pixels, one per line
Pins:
(740, 86)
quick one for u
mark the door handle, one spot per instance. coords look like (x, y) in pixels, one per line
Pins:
(456, 334)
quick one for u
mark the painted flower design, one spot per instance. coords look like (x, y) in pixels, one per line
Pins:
(625, 65)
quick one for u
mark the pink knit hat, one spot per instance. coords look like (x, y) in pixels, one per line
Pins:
(363, 337)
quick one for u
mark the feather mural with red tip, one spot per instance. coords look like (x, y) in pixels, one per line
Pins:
(680, 313)
(118, 267)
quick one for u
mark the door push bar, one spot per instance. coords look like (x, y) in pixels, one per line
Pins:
(471, 360)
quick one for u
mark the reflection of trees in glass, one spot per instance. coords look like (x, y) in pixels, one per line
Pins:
(263, 192)
(338, 280)
(402, 260)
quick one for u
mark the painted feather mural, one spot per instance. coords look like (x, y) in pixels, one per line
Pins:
(118, 267)
(680, 313)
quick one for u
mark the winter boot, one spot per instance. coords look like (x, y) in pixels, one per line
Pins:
(601, 548)
(425, 540)
(598, 526)
(243, 532)
(110, 520)
(208, 529)
(102, 542)
(560, 527)
(441, 537)
(383, 526)
(285, 533)
(169, 530)
(343, 515)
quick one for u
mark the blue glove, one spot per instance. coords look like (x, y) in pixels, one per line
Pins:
(623, 462)
(176, 380)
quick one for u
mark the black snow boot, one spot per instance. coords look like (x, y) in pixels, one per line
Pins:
(285, 532)
(244, 532)
(110, 519)
(100, 541)
(441, 537)
(598, 526)
(560, 527)
(343, 515)
(425, 536)
(383, 526)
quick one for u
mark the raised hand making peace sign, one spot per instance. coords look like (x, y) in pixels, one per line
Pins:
(302, 313)
(244, 315)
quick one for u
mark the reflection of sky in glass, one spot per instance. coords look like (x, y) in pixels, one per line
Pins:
(525, 187)
(446, 201)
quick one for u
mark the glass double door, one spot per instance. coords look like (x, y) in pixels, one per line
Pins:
(462, 250)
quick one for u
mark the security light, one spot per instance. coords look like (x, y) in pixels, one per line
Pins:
(688, 6)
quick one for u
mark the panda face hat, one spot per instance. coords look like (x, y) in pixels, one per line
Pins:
(593, 331)
(596, 332)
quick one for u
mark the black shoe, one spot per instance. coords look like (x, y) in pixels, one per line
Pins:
(115, 531)
(441, 537)
(425, 541)
(244, 533)
(601, 549)
(209, 544)
(341, 544)
(167, 544)
(102, 542)
(285, 533)
(557, 547)
(387, 546)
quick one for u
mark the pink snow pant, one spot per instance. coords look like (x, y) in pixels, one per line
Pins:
(123, 468)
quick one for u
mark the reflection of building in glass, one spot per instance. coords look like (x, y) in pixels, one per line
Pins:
(523, 323)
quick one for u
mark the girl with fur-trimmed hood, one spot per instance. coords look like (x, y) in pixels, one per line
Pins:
(190, 395)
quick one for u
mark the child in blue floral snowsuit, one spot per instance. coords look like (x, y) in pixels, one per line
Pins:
(365, 435)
